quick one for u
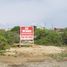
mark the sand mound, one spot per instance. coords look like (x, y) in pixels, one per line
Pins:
(36, 50)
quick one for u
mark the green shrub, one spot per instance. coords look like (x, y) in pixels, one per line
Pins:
(3, 43)
(64, 36)
(45, 37)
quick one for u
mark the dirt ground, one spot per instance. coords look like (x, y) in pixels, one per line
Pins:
(37, 49)
(18, 56)
(39, 53)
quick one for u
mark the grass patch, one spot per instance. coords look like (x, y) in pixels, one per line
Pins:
(2, 52)
(59, 57)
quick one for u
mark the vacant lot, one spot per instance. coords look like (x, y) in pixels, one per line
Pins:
(38, 56)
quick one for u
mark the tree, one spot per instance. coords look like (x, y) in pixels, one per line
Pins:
(15, 33)
(15, 29)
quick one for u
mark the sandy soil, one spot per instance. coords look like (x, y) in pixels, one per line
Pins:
(37, 50)
(24, 56)
(35, 53)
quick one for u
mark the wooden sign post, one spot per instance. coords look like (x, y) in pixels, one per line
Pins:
(26, 35)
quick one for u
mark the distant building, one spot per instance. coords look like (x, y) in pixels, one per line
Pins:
(58, 29)
(1, 30)
(41, 28)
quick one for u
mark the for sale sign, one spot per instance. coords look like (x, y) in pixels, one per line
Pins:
(27, 33)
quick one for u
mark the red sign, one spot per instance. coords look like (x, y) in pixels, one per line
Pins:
(27, 33)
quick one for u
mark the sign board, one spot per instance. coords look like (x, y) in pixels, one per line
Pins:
(27, 33)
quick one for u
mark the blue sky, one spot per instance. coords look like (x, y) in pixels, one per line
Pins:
(49, 13)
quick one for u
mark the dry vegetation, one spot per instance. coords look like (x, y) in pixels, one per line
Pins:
(33, 54)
